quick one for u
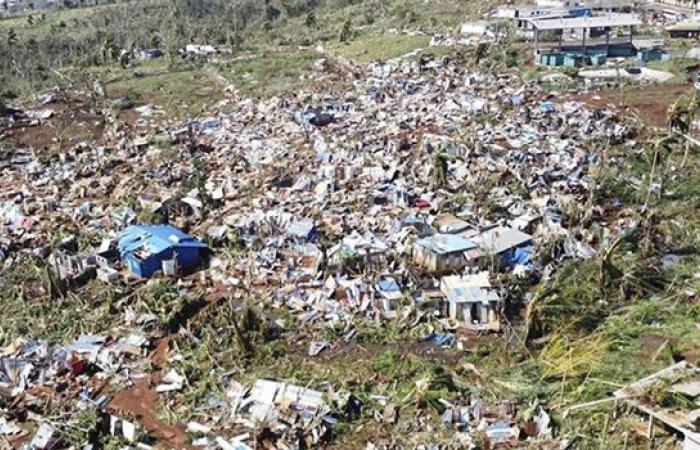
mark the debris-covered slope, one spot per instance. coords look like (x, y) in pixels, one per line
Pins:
(430, 250)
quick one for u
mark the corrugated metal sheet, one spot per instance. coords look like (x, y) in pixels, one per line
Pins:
(608, 20)
(154, 239)
(499, 239)
(446, 243)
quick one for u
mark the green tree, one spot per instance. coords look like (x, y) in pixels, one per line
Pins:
(440, 169)
(11, 37)
(347, 32)
(311, 20)
(480, 52)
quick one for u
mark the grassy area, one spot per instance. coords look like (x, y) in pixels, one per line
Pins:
(44, 23)
(372, 47)
(269, 73)
(182, 93)
(92, 36)
(412, 383)
(680, 67)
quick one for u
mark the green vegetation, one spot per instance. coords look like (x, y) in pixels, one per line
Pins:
(680, 67)
(270, 73)
(38, 311)
(181, 93)
(368, 48)
(31, 51)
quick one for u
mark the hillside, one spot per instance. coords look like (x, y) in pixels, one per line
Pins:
(338, 224)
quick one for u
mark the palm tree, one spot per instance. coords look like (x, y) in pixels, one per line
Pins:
(347, 32)
(440, 167)
(311, 20)
(480, 52)
(11, 37)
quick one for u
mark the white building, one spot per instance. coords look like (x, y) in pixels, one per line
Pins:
(472, 301)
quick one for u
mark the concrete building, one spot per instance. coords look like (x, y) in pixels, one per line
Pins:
(594, 34)
(683, 5)
(472, 301)
(686, 29)
(558, 9)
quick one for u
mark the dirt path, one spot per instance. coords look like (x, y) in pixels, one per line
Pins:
(141, 401)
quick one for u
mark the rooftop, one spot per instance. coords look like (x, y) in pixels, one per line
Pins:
(154, 239)
(608, 20)
(688, 25)
(474, 288)
(499, 239)
(446, 243)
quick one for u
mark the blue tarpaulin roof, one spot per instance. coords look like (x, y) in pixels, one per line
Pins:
(580, 12)
(388, 285)
(154, 239)
(523, 255)
(547, 107)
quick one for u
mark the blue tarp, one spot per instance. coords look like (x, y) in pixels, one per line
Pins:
(441, 340)
(150, 53)
(520, 255)
(388, 285)
(580, 12)
(155, 238)
(144, 248)
(547, 107)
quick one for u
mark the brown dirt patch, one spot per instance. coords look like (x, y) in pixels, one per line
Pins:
(160, 354)
(650, 103)
(692, 356)
(73, 121)
(141, 401)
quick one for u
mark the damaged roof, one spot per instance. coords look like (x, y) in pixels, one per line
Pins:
(155, 239)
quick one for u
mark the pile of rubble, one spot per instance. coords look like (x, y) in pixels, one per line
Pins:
(409, 195)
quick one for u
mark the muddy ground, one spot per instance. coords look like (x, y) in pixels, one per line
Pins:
(650, 103)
